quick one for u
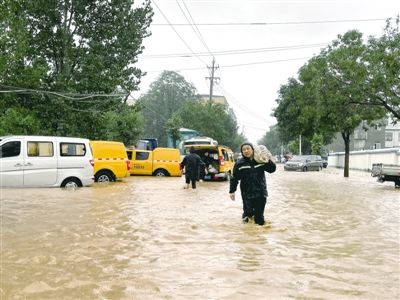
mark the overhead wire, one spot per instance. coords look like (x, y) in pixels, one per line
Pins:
(196, 31)
(237, 51)
(180, 37)
(192, 24)
(67, 96)
(237, 65)
(275, 23)
(241, 106)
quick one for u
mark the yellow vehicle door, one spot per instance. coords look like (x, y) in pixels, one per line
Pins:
(142, 162)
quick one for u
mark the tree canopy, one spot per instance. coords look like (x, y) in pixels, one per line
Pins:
(339, 88)
(70, 64)
(166, 95)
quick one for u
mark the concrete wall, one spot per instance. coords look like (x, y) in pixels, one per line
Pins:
(363, 160)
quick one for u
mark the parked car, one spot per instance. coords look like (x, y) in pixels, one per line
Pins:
(157, 162)
(110, 161)
(304, 163)
(45, 161)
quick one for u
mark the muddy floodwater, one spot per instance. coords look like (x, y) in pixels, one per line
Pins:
(148, 238)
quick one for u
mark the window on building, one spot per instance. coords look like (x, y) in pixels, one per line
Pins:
(360, 134)
(377, 146)
(388, 136)
(359, 144)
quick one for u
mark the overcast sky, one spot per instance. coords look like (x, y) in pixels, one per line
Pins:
(288, 34)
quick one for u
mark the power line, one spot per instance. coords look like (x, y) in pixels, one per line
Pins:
(193, 25)
(243, 107)
(275, 23)
(237, 65)
(172, 26)
(236, 51)
(68, 96)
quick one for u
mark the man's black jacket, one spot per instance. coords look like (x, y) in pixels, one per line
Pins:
(192, 163)
(252, 178)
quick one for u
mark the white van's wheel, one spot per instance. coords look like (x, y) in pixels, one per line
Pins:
(103, 176)
(71, 183)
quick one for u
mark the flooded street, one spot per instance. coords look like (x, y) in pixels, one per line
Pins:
(148, 238)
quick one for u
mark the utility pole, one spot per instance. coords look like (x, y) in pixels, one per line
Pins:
(300, 144)
(212, 78)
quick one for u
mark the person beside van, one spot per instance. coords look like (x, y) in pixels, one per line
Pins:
(253, 185)
(192, 163)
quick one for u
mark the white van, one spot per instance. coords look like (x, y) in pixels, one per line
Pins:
(44, 161)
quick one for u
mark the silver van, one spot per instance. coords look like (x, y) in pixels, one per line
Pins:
(45, 161)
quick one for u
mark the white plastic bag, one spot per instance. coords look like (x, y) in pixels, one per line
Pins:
(262, 154)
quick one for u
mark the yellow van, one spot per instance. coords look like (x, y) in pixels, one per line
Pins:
(157, 162)
(219, 160)
(110, 161)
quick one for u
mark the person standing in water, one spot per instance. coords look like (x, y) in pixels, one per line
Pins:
(253, 185)
(192, 163)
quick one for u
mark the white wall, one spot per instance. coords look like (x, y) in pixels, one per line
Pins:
(363, 160)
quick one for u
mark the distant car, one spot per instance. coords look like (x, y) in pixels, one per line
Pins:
(304, 163)
(324, 161)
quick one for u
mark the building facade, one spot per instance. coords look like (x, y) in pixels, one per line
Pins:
(367, 137)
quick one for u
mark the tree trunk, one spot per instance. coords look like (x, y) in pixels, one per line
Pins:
(346, 139)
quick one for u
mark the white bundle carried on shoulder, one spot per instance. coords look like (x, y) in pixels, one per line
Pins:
(262, 154)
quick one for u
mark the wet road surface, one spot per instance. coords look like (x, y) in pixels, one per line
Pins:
(147, 238)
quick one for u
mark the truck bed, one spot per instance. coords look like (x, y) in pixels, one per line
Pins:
(385, 169)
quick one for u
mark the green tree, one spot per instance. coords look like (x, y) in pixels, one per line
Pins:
(165, 96)
(56, 55)
(18, 121)
(124, 125)
(326, 98)
(342, 74)
(317, 144)
(382, 85)
(173, 125)
(212, 120)
(272, 140)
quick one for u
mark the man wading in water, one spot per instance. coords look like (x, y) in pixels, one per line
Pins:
(192, 163)
(253, 185)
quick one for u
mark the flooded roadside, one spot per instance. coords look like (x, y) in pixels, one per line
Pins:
(148, 238)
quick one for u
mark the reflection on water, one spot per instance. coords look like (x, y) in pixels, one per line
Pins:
(148, 238)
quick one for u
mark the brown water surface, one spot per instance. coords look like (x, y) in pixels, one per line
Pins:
(148, 238)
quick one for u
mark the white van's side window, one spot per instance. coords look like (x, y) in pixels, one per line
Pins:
(41, 149)
(72, 149)
(10, 149)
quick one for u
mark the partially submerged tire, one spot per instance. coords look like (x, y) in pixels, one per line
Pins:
(160, 173)
(71, 183)
(104, 176)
